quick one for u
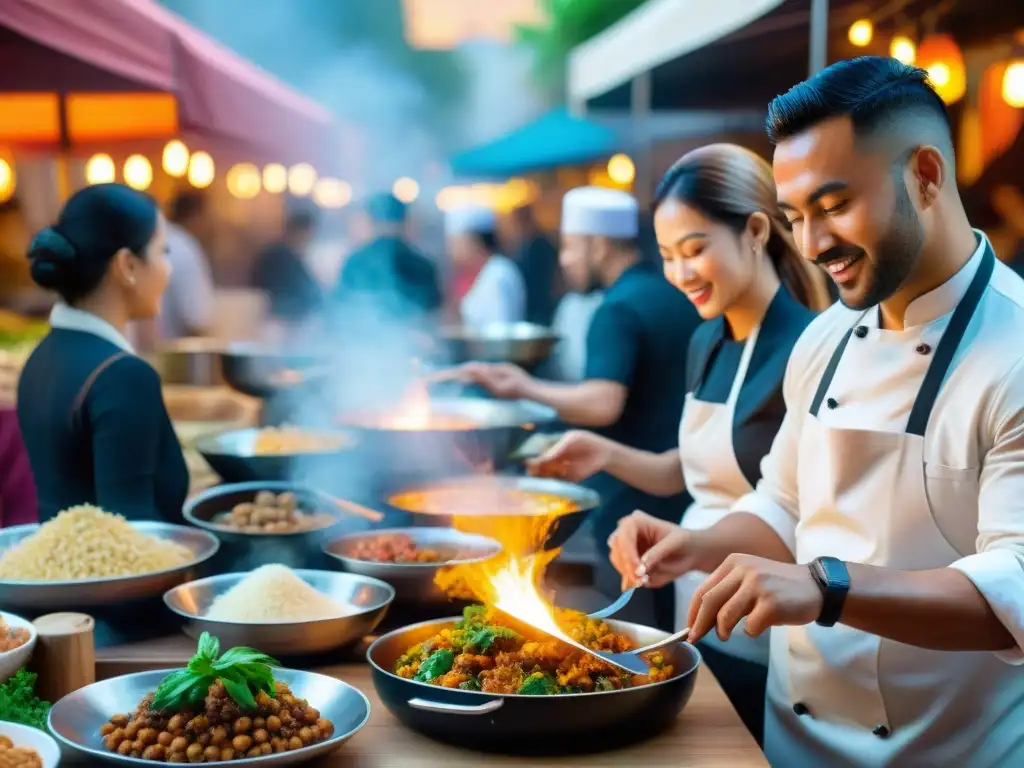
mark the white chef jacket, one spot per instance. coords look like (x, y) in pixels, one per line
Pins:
(498, 295)
(572, 323)
(975, 436)
(188, 303)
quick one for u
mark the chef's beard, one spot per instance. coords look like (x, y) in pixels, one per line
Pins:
(896, 254)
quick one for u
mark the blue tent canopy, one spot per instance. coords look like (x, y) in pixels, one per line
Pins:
(555, 139)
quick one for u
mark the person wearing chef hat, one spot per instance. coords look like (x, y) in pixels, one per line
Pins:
(635, 377)
(884, 543)
(498, 293)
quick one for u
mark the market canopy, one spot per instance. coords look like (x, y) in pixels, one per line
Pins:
(553, 140)
(88, 71)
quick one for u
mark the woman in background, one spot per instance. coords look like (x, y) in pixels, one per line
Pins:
(725, 245)
(92, 412)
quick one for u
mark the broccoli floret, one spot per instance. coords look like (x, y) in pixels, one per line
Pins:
(471, 615)
(473, 684)
(480, 639)
(539, 684)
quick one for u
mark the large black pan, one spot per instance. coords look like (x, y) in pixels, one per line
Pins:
(515, 724)
(263, 372)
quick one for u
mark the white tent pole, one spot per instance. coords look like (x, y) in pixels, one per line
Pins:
(819, 36)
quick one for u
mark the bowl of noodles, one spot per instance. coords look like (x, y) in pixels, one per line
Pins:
(86, 557)
(486, 682)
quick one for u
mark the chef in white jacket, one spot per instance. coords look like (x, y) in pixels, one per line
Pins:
(885, 538)
(571, 324)
(498, 294)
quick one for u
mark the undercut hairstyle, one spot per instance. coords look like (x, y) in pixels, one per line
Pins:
(887, 101)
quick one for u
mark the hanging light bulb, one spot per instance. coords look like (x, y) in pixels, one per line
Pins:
(243, 181)
(861, 32)
(902, 49)
(331, 193)
(301, 179)
(175, 159)
(7, 181)
(100, 169)
(1013, 84)
(621, 169)
(406, 190)
(138, 173)
(275, 178)
(201, 170)
(944, 62)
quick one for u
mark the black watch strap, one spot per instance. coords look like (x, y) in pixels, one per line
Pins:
(833, 579)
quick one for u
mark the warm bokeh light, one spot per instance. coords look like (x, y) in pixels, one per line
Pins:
(902, 48)
(244, 181)
(201, 170)
(331, 193)
(861, 32)
(138, 173)
(100, 169)
(301, 179)
(8, 182)
(621, 169)
(1013, 84)
(275, 178)
(406, 190)
(175, 159)
(944, 61)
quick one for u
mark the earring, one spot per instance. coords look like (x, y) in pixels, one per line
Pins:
(131, 280)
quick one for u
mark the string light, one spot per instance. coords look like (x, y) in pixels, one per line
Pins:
(331, 193)
(861, 32)
(175, 159)
(301, 179)
(1013, 84)
(243, 181)
(138, 173)
(7, 181)
(100, 169)
(201, 170)
(406, 190)
(621, 169)
(902, 49)
(275, 178)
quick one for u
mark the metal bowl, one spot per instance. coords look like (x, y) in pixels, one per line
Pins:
(367, 598)
(414, 582)
(516, 724)
(44, 596)
(584, 499)
(243, 551)
(76, 719)
(232, 455)
(260, 371)
(191, 361)
(524, 344)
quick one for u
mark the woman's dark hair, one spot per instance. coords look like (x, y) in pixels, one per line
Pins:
(728, 184)
(73, 255)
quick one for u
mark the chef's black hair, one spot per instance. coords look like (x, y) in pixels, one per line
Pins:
(300, 221)
(488, 239)
(728, 184)
(72, 256)
(186, 205)
(883, 97)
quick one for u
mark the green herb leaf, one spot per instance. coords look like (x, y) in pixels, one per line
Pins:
(173, 688)
(238, 690)
(473, 684)
(209, 646)
(242, 655)
(437, 664)
(18, 702)
(539, 684)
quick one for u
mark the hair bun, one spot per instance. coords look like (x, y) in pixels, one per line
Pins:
(53, 259)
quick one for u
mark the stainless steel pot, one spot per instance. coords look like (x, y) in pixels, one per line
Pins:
(524, 344)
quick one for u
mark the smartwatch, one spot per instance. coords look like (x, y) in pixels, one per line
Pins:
(833, 579)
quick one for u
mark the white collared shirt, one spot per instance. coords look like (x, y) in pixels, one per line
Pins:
(498, 295)
(188, 303)
(976, 431)
(71, 319)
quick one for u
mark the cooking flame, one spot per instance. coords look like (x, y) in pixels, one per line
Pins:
(512, 581)
(414, 412)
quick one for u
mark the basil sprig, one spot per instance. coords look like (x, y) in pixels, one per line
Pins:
(243, 671)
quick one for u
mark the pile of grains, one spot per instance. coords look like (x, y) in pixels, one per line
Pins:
(271, 594)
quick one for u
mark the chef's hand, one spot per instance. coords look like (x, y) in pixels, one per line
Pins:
(575, 457)
(768, 593)
(503, 380)
(648, 552)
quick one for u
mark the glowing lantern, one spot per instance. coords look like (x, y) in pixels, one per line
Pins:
(903, 49)
(301, 179)
(100, 169)
(201, 170)
(331, 193)
(175, 159)
(7, 181)
(941, 56)
(138, 173)
(406, 190)
(621, 169)
(861, 33)
(1000, 121)
(243, 181)
(1013, 84)
(275, 178)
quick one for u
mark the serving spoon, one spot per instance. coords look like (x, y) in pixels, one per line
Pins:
(615, 607)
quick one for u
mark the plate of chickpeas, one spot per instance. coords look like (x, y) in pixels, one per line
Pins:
(271, 512)
(308, 715)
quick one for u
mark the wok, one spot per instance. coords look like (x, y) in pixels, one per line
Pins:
(583, 498)
(525, 344)
(232, 455)
(518, 724)
(263, 372)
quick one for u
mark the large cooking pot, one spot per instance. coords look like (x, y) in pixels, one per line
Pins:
(525, 344)
(261, 371)
(193, 361)
(517, 724)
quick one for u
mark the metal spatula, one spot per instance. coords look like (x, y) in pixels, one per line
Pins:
(615, 607)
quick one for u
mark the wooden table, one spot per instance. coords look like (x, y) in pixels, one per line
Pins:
(708, 733)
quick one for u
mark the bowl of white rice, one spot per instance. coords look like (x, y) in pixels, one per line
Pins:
(281, 611)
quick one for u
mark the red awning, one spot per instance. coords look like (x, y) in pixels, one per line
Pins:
(137, 45)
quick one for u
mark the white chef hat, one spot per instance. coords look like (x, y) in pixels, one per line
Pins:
(469, 219)
(600, 211)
